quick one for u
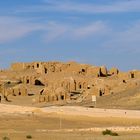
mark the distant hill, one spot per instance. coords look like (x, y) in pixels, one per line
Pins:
(129, 99)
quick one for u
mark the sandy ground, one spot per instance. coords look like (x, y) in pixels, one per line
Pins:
(70, 110)
(67, 122)
(93, 112)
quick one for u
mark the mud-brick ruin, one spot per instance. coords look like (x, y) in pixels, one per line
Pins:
(57, 82)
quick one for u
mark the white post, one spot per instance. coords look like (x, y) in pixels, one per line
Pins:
(94, 100)
(95, 104)
(60, 120)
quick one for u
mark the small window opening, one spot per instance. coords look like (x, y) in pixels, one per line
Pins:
(124, 81)
(80, 86)
(37, 65)
(88, 87)
(27, 81)
(19, 93)
(83, 70)
(132, 75)
(62, 97)
(56, 98)
(46, 71)
(101, 93)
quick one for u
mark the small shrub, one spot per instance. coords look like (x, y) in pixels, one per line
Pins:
(106, 132)
(5, 138)
(29, 137)
(114, 134)
(109, 132)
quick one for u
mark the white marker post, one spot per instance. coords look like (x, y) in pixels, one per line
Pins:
(60, 120)
(94, 100)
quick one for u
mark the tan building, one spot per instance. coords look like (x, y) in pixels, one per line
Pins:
(68, 82)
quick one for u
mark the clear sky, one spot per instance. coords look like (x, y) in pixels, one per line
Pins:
(98, 32)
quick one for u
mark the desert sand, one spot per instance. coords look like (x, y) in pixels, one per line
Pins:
(67, 122)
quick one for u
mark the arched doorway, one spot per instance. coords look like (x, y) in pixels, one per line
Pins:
(38, 83)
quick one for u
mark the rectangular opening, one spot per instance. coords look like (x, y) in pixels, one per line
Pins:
(27, 81)
(37, 65)
(132, 75)
(62, 97)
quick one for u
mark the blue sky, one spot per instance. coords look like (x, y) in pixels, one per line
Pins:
(98, 32)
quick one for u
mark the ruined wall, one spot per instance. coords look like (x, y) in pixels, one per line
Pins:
(93, 71)
(59, 94)
(61, 79)
(16, 91)
(17, 66)
(124, 75)
(113, 71)
(103, 71)
(134, 74)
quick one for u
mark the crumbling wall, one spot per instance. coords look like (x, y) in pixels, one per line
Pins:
(16, 91)
(49, 95)
(18, 66)
(113, 71)
(93, 71)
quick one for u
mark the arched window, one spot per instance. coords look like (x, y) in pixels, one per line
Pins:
(19, 93)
